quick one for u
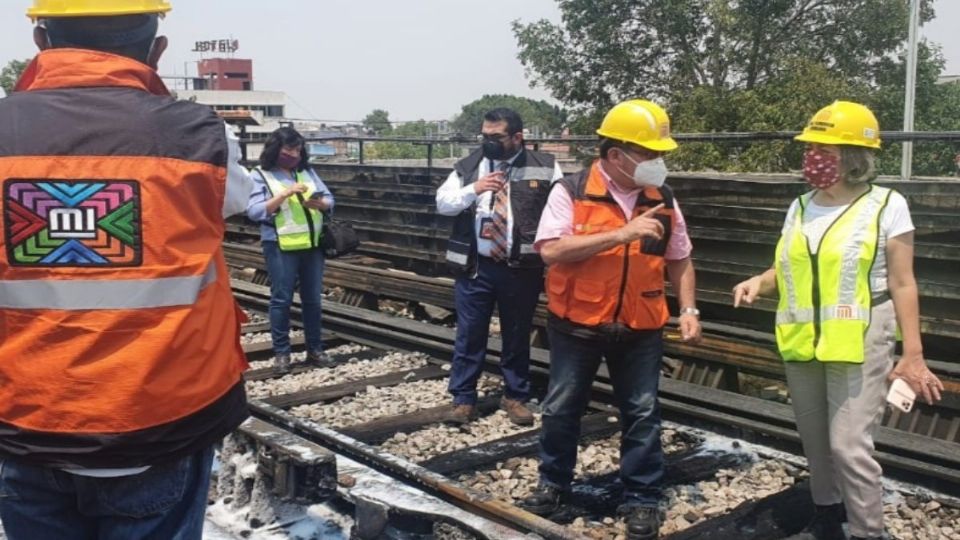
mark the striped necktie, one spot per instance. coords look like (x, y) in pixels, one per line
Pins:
(499, 225)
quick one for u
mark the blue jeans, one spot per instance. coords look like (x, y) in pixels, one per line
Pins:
(635, 374)
(285, 268)
(515, 292)
(165, 502)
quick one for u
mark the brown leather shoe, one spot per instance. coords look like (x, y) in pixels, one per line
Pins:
(518, 412)
(461, 414)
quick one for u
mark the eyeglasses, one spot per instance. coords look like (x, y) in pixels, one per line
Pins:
(498, 137)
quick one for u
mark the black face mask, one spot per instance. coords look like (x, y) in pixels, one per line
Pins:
(494, 150)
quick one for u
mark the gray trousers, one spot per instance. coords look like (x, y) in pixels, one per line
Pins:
(838, 407)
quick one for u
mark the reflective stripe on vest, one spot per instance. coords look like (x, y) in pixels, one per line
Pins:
(531, 173)
(298, 227)
(87, 295)
(117, 326)
(825, 299)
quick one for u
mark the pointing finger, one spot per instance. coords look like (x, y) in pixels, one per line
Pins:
(652, 211)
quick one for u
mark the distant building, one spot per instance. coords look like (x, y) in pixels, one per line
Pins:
(226, 73)
(947, 79)
(226, 85)
(265, 110)
(267, 104)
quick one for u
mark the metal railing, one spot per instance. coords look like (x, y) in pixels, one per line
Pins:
(587, 140)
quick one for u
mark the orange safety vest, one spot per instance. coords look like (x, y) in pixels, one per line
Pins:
(119, 335)
(624, 284)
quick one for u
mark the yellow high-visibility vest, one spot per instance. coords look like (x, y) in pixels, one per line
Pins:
(298, 227)
(825, 299)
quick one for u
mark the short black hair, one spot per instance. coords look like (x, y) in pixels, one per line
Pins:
(503, 114)
(126, 35)
(281, 137)
(608, 144)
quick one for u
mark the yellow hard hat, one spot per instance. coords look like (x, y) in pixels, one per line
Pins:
(640, 122)
(844, 123)
(44, 9)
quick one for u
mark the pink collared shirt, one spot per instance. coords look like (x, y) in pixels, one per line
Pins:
(557, 219)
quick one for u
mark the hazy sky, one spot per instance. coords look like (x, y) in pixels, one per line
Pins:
(340, 59)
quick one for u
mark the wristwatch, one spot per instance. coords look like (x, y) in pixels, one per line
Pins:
(690, 311)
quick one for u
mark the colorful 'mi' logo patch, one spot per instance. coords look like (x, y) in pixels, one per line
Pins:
(72, 224)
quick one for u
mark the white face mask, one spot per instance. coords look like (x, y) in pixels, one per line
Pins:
(652, 172)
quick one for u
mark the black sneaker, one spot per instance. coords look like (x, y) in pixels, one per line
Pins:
(320, 359)
(825, 525)
(545, 500)
(643, 522)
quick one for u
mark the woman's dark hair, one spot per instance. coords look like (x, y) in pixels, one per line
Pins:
(285, 136)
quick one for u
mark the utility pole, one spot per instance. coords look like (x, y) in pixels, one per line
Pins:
(906, 166)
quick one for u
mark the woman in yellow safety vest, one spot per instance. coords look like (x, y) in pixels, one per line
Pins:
(288, 201)
(844, 272)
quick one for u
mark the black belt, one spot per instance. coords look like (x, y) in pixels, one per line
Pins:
(877, 300)
(513, 265)
(491, 260)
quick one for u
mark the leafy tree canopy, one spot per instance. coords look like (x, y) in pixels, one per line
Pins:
(538, 115)
(741, 65)
(11, 73)
(377, 122)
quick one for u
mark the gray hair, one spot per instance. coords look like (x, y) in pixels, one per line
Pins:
(857, 164)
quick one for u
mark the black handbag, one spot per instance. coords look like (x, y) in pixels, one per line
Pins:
(339, 238)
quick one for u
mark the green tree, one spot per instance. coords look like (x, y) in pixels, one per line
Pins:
(11, 73)
(420, 129)
(608, 50)
(783, 104)
(937, 108)
(740, 65)
(538, 115)
(377, 122)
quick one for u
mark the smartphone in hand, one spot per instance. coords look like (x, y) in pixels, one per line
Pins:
(901, 395)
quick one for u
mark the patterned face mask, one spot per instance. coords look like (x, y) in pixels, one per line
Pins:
(821, 169)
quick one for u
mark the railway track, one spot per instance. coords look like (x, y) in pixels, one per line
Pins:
(720, 487)
(733, 219)
(727, 355)
(383, 405)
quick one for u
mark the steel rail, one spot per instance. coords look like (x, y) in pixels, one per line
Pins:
(932, 462)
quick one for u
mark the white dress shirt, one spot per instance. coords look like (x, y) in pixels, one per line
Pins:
(239, 182)
(453, 198)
